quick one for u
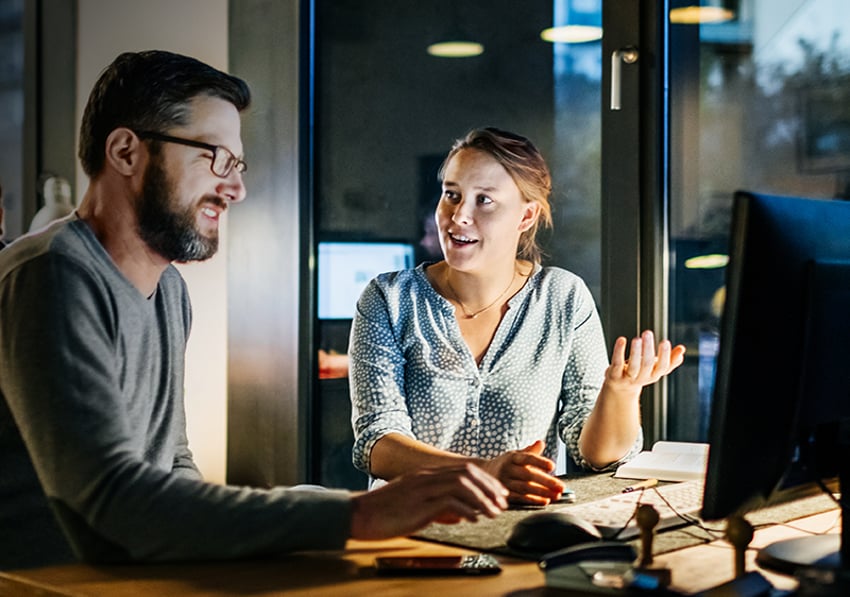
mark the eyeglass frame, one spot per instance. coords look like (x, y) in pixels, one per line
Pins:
(240, 165)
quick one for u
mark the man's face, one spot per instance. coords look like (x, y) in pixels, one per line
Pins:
(182, 200)
(168, 225)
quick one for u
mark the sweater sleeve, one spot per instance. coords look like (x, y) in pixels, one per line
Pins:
(66, 389)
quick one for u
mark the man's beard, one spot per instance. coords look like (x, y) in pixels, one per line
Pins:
(171, 233)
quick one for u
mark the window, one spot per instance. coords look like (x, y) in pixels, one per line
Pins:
(760, 102)
(12, 111)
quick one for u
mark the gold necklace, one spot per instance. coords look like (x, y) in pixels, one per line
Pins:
(475, 314)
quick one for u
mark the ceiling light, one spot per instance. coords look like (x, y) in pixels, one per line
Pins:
(700, 15)
(712, 261)
(455, 49)
(572, 34)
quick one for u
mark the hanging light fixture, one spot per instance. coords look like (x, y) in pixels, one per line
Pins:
(710, 261)
(455, 42)
(574, 23)
(703, 14)
(571, 34)
(455, 49)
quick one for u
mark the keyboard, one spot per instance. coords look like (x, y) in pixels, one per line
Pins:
(614, 515)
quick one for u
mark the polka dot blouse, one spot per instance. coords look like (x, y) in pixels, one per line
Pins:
(412, 373)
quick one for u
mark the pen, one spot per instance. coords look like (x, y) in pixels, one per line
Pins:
(641, 485)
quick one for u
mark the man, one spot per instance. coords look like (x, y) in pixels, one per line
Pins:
(93, 451)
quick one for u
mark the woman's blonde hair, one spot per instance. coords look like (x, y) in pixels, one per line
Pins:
(526, 166)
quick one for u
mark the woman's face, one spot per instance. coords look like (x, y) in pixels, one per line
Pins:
(481, 213)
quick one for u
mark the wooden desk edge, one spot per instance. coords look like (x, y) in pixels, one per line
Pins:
(347, 573)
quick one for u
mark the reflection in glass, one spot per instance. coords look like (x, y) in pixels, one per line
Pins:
(11, 114)
(387, 113)
(761, 102)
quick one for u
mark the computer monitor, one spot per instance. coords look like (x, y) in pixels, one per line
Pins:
(780, 420)
(345, 268)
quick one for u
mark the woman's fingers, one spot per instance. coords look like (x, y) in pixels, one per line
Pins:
(635, 358)
(662, 363)
(618, 355)
(531, 485)
(646, 364)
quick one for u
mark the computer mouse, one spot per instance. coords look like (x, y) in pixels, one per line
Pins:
(544, 532)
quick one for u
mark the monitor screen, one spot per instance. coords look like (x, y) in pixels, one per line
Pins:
(781, 407)
(345, 268)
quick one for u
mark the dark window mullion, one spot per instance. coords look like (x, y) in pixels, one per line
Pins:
(633, 188)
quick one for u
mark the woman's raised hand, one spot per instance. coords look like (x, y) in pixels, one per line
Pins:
(644, 366)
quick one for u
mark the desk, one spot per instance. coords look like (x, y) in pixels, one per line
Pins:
(349, 573)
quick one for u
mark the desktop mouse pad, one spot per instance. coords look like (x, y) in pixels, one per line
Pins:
(491, 534)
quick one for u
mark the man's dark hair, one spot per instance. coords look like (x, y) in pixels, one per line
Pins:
(149, 91)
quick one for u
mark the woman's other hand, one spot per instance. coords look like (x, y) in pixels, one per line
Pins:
(527, 475)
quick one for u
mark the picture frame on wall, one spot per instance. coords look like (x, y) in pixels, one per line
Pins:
(824, 141)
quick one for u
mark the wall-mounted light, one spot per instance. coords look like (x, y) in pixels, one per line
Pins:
(711, 261)
(571, 34)
(700, 15)
(455, 49)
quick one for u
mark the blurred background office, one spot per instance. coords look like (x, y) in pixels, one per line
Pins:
(650, 113)
(2, 229)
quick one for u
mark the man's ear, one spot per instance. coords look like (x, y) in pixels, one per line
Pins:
(531, 211)
(124, 151)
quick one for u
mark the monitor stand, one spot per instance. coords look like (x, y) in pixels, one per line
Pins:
(818, 552)
(792, 555)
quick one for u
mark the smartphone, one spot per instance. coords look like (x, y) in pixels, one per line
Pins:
(475, 564)
(568, 496)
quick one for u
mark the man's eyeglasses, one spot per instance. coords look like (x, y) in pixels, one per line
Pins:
(223, 160)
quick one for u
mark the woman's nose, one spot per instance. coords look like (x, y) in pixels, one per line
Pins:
(462, 213)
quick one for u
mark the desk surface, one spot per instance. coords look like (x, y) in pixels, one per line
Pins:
(349, 573)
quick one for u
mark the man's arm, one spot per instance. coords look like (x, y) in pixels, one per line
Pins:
(62, 380)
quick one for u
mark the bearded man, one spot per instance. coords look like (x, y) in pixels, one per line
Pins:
(94, 318)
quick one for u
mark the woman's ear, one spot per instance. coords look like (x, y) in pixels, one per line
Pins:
(124, 151)
(530, 213)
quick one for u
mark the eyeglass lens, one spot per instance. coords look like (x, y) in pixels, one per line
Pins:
(224, 162)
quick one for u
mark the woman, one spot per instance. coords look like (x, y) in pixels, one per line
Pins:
(487, 356)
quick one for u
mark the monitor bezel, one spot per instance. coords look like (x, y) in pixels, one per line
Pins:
(760, 225)
(355, 241)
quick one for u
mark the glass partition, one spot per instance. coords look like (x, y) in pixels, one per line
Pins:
(11, 116)
(390, 103)
(760, 101)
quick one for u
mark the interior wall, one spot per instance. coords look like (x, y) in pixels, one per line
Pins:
(269, 339)
(197, 28)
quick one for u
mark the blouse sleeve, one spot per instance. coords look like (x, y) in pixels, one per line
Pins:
(376, 375)
(583, 377)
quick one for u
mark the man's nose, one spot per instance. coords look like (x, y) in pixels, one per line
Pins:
(233, 187)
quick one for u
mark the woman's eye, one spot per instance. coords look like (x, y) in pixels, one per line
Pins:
(450, 195)
(484, 200)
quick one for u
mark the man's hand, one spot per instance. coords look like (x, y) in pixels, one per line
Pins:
(412, 501)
